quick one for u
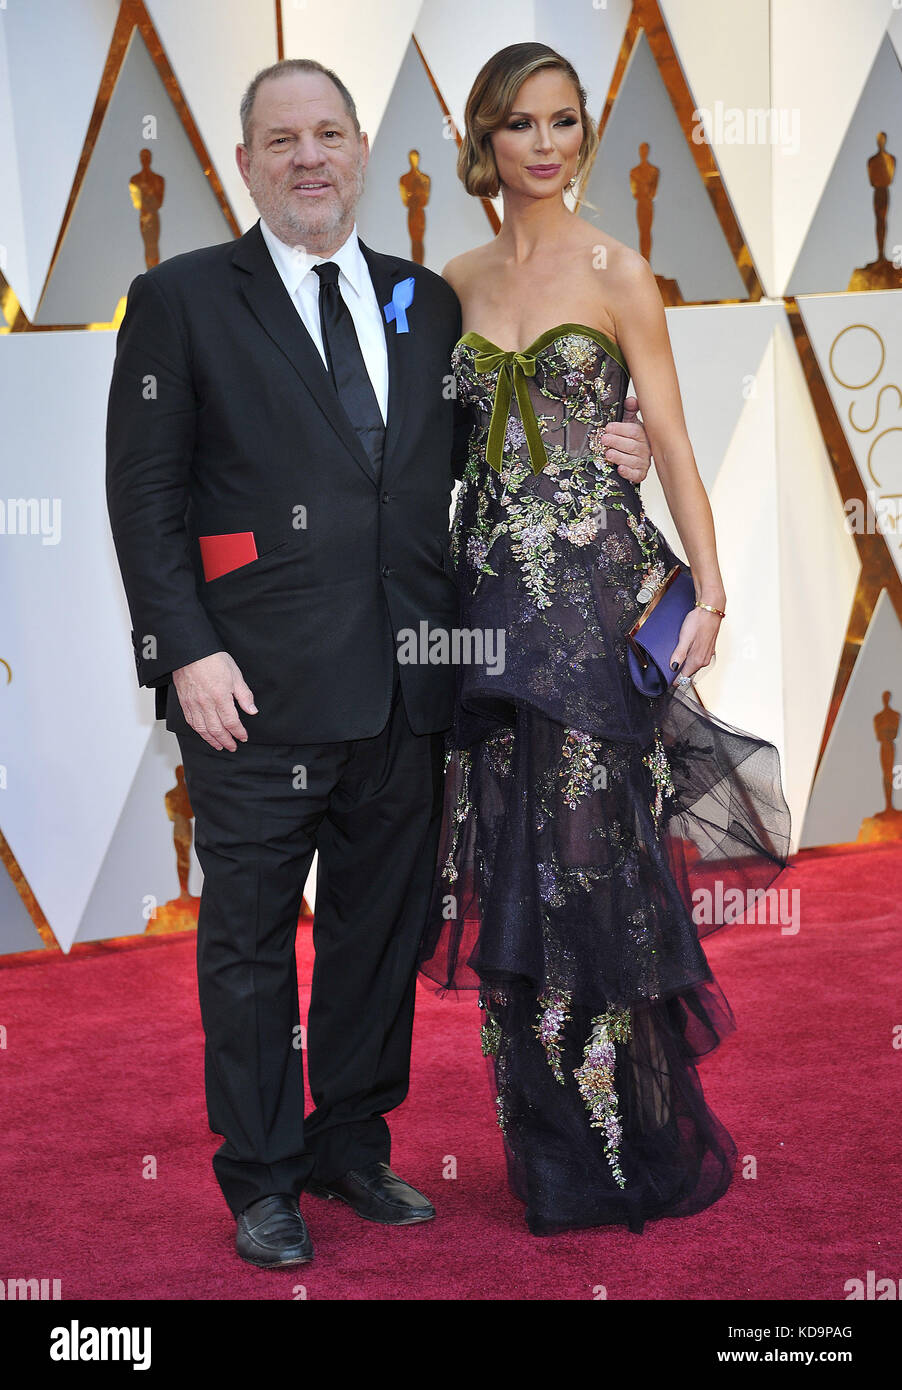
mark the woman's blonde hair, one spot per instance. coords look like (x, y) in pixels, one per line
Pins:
(491, 101)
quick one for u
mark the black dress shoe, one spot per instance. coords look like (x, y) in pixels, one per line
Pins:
(271, 1233)
(377, 1194)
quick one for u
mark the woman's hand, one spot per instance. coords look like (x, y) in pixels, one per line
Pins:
(696, 642)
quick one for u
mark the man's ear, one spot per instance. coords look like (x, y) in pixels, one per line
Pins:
(364, 140)
(243, 159)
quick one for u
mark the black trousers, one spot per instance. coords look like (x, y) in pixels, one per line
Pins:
(372, 808)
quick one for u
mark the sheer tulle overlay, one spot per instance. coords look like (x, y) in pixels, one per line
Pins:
(591, 834)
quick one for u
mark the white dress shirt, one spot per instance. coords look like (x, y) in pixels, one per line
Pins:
(295, 266)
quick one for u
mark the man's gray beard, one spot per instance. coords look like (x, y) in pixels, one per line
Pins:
(290, 227)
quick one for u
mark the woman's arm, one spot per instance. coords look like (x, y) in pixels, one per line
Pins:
(642, 333)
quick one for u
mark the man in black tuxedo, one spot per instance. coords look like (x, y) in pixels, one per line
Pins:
(279, 471)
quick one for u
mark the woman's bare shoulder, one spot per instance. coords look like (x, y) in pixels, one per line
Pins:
(463, 269)
(630, 272)
(609, 253)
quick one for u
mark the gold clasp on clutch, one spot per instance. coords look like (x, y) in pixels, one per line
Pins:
(654, 600)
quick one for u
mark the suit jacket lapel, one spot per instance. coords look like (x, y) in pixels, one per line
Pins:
(267, 297)
(385, 272)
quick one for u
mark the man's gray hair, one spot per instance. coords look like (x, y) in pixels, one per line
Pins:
(286, 65)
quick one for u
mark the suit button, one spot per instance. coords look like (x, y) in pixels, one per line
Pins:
(386, 571)
(386, 497)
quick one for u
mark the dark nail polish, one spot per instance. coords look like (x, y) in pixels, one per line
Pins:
(673, 665)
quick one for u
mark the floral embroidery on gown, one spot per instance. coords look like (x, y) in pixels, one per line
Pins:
(579, 814)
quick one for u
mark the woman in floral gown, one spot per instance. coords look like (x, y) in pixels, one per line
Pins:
(580, 815)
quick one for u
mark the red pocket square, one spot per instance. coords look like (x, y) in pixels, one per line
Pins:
(220, 554)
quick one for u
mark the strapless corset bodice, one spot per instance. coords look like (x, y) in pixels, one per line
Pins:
(552, 398)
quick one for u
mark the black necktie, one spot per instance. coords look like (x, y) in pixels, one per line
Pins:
(349, 373)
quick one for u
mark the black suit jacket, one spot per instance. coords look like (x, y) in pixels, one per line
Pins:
(222, 419)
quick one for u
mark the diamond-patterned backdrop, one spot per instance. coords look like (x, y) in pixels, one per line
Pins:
(763, 125)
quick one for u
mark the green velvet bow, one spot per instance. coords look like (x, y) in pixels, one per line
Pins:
(513, 368)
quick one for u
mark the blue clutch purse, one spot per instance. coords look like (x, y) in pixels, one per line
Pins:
(654, 635)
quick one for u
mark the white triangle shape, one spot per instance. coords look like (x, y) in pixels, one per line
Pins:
(728, 342)
(454, 220)
(819, 571)
(363, 44)
(487, 28)
(51, 60)
(214, 48)
(81, 723)
(726, 61)
(849, 785)
(819, 68)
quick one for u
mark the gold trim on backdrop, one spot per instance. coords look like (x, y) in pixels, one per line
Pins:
(878, 570)
(646, 16)
(104, 945)
(488, 206)
(630, 36)
(18, 322)
(133, 15)
(13, 313)
(32, 906)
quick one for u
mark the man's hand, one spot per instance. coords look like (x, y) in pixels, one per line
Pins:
(207, 691)
(626, 443)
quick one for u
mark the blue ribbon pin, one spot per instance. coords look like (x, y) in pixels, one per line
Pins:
(401, 300)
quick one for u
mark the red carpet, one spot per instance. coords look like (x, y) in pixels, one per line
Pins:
(103, 1067)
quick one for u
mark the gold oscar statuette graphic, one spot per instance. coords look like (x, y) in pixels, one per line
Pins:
(146, 188)
(179, 914)
(414, 186)
(644, 186)
(886, 824)
(880, 274)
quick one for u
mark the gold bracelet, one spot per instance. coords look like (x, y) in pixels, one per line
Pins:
(719, 611)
